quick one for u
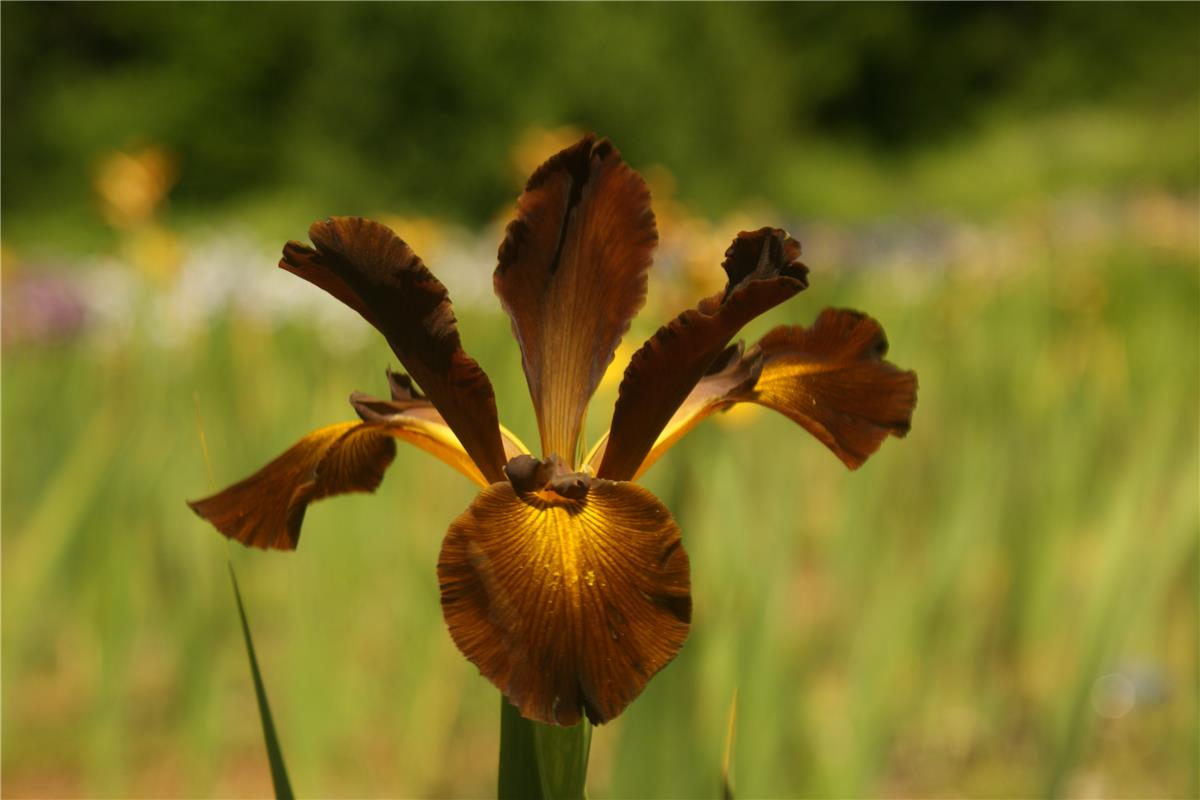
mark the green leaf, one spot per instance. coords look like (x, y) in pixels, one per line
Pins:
(279, 776)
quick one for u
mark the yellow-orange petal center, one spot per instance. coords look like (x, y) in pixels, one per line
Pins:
(568, 607)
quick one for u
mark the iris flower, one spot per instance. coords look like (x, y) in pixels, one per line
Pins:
(565, 582)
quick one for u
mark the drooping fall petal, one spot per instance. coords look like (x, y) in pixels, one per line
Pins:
(830, 378)
(568, 606)
(763, 270)
(267, 509)
(365, 265)
(571, 275)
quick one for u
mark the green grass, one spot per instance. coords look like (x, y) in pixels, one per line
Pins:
(931, 625)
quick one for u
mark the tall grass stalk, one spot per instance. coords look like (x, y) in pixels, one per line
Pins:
(932, 624)
(279, 774)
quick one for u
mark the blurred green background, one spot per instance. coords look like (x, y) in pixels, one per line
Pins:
(1002, 605)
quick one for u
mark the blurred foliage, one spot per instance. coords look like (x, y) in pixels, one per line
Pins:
(353, 108)
(1003, 604)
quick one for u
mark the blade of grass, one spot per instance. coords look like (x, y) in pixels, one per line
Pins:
(727, 756)
(279, 776)
(53, 526)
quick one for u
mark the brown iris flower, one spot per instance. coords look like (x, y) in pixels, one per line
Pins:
(565, 583)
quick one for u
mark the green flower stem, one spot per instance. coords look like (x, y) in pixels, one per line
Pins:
(518, 778)
(541, 762)
(563, 759)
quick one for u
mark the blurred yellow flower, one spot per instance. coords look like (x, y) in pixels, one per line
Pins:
(423, 234)
(155, 252)
(530, 150)
(132, 186)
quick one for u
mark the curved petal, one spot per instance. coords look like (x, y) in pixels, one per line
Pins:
(267, 509)
(373, 409)
(568, 606)
(763, 271)
(408, 401)
(830, 378)
(730, 379)
(367, 267)
(571, 275)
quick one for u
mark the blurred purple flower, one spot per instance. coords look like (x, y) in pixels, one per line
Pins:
(40, 307)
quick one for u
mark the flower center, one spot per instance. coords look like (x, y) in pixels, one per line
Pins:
(551, 479)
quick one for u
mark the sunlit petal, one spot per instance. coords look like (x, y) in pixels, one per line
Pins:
(830, 378)
(763, 271)
(365, 265)
(568, 606)
(731, 379)
(571, 275)
(418, 423)
(267, 509)
(407, 405)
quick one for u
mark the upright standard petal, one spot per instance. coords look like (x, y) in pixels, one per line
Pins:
(764, 271)
(267, 509)
(365, 265)
(568, 606)
(571, 275)
(830, 378)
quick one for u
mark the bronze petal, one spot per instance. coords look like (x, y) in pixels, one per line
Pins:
(763, 270)
(730, 380)
(365, 265)
(267, 509)
(832, 379)
(407, 401)
(569, 607)
(571, 275)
